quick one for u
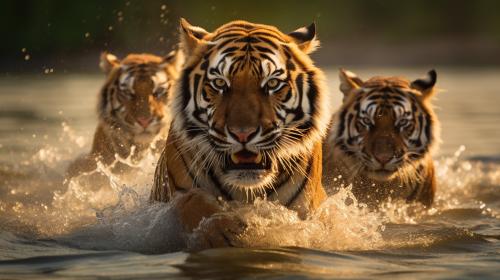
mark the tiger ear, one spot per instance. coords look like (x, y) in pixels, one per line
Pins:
(305, 38)
(174, 58)
(108, 61)
(425, 84)
(190, 36)
(349, 82)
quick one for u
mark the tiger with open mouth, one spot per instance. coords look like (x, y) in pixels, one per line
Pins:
(250, 111)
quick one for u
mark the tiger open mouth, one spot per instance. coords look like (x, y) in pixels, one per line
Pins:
(246, 159)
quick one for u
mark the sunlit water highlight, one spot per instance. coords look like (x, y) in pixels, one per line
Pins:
(51, 229)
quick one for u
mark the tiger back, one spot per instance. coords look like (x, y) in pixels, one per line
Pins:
(250, 111)
(382, 139)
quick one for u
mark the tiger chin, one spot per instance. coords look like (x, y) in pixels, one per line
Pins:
(382, 138)
(133, 114)
(250, 111)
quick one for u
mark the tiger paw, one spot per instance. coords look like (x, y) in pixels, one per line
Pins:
(220, 230)
(193, 206)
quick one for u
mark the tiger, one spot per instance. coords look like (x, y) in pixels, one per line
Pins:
(382, 139)
(250, 111)
(132, 109)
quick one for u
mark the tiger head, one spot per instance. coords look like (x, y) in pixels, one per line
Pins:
(385, 125)
(250, 101)
(136, 92)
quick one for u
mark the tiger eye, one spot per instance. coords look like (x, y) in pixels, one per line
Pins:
(272, 83)
(220, 83)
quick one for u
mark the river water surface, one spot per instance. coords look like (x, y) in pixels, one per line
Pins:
(53, 230)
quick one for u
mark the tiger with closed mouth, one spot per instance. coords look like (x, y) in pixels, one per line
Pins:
(382, 139)
(250, 111)
(132, 109)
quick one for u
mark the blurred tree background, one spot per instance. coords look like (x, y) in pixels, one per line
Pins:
(67, 36)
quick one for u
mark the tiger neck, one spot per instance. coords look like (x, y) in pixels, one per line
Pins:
(297, 187)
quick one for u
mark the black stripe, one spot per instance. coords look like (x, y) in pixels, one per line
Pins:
(312, 94)
(303, 185)
(276, 188)
(287, 97)
(427, 130)
(218, 185)
(341, 123)
(186, 95)
(260, 34)
(186, 166)
(229, 50)
(264, 49)
(349, 121)
(269, 42)
(246, 26)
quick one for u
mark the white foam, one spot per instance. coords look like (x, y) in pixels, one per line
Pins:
(121, 217)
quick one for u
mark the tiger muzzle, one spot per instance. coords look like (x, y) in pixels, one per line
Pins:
(384, 149)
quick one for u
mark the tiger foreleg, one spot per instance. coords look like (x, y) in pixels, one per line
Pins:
(205, 222)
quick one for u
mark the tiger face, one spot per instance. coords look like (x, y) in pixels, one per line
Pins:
(385, 125)
(136, 94)
(250, 100)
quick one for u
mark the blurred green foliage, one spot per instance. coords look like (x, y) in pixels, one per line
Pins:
(62, 27)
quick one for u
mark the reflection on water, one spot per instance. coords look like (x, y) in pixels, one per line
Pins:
(80, 230)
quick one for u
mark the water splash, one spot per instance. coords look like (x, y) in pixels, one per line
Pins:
(339, 224)
(118, 215)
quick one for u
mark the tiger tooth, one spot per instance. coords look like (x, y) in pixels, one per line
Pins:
(234, 158)
(258, 159)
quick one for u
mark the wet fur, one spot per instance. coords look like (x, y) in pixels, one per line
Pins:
(414, 180)
(190, 162)
(117, 133)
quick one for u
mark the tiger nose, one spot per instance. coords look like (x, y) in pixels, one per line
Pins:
(144, 121)
(242, 134)
(384, 149)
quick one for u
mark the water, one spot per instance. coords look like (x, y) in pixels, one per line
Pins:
(48, 230)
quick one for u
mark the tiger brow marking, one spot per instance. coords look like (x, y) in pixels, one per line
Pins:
(246, 26)
(225, 35)
(268, 41)
(264, 49)
(268, 32)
